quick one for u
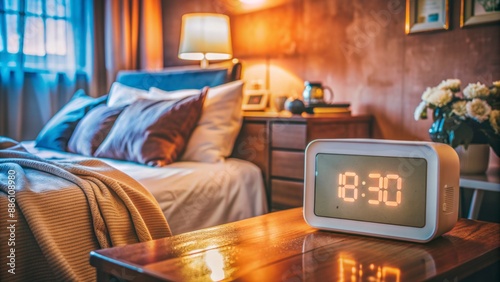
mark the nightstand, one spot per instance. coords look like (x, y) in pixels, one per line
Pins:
(276, 143)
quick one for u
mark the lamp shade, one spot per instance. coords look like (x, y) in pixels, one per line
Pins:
(205, 36)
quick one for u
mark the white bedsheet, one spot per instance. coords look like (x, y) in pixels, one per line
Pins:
(193, 195)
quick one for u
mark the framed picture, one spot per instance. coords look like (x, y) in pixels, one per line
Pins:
(479, 11)
(426, 15)
(255, 100)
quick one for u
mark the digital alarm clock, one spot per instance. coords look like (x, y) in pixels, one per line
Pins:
(393, 189)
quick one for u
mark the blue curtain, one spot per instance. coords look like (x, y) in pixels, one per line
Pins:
(45, 56)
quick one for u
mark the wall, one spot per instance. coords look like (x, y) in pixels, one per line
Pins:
(357, 47)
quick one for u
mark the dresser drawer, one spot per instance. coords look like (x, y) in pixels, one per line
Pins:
(287, 164)
(287, 194)
(339, 130)
(288, 135)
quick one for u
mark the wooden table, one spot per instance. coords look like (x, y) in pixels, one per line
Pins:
(280, 246)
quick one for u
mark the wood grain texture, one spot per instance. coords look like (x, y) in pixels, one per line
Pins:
(287, 164)
(287, 194)
(354, 129)
(281, 246)
(288, 135)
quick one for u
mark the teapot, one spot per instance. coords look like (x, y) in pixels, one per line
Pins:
(314, 94)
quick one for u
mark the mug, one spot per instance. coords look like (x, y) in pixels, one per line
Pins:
(279, 103)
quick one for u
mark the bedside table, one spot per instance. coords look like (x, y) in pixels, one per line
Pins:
(276, 143)
(263, 248)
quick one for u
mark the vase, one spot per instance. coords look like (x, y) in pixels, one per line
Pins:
(295, 106)
(474, 159)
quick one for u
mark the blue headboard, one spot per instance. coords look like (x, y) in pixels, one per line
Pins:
(180, 78)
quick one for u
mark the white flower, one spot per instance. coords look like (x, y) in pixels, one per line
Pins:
(428, 92)
(459, 108)
(494, 91)
(438, 97)
(420, 110)
(478, 109)
(451, 84)
(476, 90)
(495, 121)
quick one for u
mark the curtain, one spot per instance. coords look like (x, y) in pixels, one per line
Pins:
(128, 36)
(43, 47)
(98, 39)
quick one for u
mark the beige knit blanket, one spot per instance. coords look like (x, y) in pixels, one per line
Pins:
(52, 214)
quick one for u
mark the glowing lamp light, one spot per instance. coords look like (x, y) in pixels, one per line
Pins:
(252, 1)
(204, 37)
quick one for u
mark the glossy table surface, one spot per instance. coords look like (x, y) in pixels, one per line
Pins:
(280, 246)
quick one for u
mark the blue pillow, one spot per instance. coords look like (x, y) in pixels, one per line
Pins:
(171, 80)
(56, 133)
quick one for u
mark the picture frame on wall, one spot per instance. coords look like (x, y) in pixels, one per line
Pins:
(474, 12)
(426, 15)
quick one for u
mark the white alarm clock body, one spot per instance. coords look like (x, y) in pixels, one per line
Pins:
(393, 189)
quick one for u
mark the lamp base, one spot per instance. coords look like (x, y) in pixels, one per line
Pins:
(204, 63)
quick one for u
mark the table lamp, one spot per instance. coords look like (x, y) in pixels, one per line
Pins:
(205, 36)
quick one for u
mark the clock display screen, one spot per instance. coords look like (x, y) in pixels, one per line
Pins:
(388, 190)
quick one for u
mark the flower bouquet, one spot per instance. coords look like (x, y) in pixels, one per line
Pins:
(462, 118)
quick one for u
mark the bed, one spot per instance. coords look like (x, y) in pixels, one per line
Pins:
(202, 186)
(149, 160)
(192, 195)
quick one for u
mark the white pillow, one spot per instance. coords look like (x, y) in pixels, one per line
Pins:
(158, 94)
(122, 95)
(213, 138)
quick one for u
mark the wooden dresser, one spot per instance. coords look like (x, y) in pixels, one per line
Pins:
(276, 144)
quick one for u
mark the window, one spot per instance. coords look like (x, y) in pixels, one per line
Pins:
(40, 34)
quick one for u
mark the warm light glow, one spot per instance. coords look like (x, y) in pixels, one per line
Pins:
(343, 185)
(204, 37)
(340, 185)
(349, 181)
(215, 262)
(391, 273)
(376, 188)
(352, 270)
(398, 192)
(252, 1)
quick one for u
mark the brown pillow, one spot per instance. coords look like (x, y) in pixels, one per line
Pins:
(152, 132)
(93, 129)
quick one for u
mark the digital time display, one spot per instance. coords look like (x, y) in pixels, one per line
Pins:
(405, 190)
(371, 188)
